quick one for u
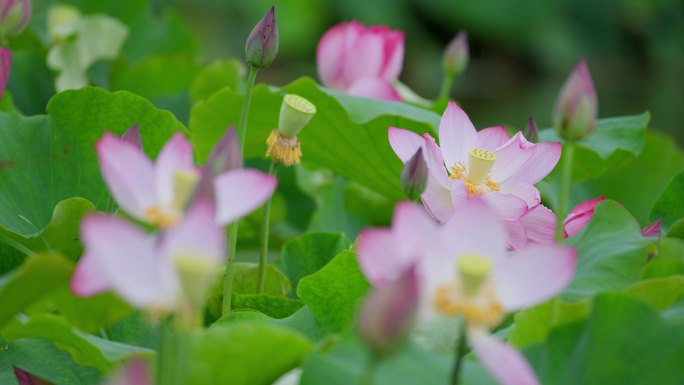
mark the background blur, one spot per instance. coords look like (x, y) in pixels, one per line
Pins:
(521, 51)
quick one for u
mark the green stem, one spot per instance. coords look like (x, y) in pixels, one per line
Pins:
(460, 353)
(368, 375)
(173, 353)
(447, 84)
(565, 184)
(265, 228)
(233, 227)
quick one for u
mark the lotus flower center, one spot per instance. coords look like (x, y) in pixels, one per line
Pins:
(476, 174)
(184, 183)
(472, 296)
(163, 217)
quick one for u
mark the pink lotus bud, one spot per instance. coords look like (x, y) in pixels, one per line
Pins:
(5, 63)
(132, 136)
(26, 378)
(361, 61)
(653, 230)
(14, 16)
(262, 44)
(388, 314)
(531, 131)
(576, 108)
(414, 175)
(580, 216)
(456, 55)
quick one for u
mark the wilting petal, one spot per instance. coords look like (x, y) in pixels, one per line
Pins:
(533, 275)
(126, 258)
(492, 138)
(510, 158)
(373, 88)
(507, 207)
(540, 164)
(457, 135)
(240, 192)
(129, 174)
(505, 364)
(198, 235)
(176, 156)
(437, 200)
(405, 143)
(540, 225)
(475, 228)
(377, 255)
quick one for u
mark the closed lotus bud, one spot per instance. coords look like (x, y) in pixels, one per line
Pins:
(5, 63)
(132, 136)
(283, 145)
(576, 108)
(456, 55)
(653, 230)
(414, 175)
(14, 16)
(388, 314)
(531, 131)
(262, 44)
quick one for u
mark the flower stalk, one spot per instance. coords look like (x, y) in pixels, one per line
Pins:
(460, 353)
(565, 184)
(265, 229)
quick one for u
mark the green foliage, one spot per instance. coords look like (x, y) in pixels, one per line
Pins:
(307, 254)
(611, 253)
(62, 162)
(276, 307)
(217, 75)
(346, 135)
(40, 275)
(333, 293)
(90, 314)
(85, 349)
(245, 353)
(246, 279)
(670, 206)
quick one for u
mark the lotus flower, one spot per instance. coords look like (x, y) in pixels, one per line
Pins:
(14, 16)
(361, 61)
(158, 192)
(464, 270)
(150, 271)
(261, 47)
(580, 216)
(487, 164)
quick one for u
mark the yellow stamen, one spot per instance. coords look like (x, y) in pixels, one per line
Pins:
(283, 149)
(474, 189)
(485, 311)
(161, 218)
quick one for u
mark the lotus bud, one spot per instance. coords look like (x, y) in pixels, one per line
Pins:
(580, 216)
(576, 108)
(25, 378)
(531, 131)
(262, 44)
(388, 314)
(14, 16)
(283, 145)
(414, 175)
(653, 230)
(132, 136)
(456, 55)
(5, 64)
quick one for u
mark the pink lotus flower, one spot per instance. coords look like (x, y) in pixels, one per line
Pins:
(464, 270)
(486, 164)
(580, 216)
(147, 269)
(5, 63)
(158, 192)
(361, 61)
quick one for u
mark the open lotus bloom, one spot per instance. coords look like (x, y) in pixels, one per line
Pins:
(158, 192)
(361, 61)
(487, 164)
(465, 270)
(580, 216)
(161, 272)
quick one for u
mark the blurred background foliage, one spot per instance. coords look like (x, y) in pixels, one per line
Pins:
(521, 51)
